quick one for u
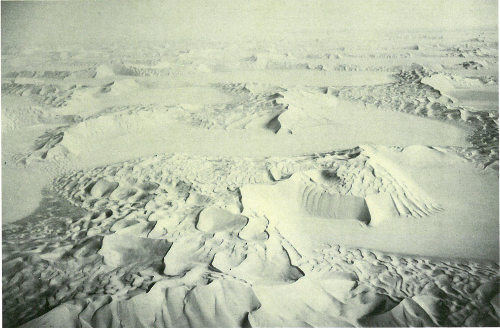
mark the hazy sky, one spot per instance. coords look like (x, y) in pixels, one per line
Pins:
(226, 19)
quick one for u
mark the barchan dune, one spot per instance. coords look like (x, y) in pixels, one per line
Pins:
(250, 164)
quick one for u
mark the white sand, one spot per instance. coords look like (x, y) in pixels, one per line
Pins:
(447, 207)
(250, 164)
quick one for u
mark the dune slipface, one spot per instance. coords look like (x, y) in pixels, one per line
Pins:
(317, 202)
(250, 164)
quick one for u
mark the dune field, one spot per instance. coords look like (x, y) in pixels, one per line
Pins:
(295, 176)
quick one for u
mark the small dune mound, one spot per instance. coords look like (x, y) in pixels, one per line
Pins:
(123, 224)
(267, 265)
(255, 229)
(141, 229)
(103, 71)
(303, 110)
(123, 249)
(86, 248)
(215, 219)
(123, 86)
(103, 187)
(187, 253)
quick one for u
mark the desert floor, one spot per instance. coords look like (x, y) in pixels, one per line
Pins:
(313, 181)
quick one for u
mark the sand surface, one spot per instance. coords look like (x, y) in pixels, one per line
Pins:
(297, 177)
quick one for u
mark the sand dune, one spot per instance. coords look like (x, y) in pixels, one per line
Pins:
(311, 176)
